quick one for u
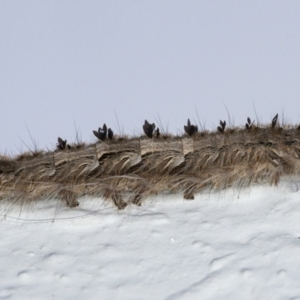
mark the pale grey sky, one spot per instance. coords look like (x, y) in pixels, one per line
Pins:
(78, 62)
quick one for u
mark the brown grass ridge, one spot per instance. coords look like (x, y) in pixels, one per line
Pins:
(128, 170)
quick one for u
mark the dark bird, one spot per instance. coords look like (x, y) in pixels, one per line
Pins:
(101, 133)
(190, 129)
(274, 121)
(148, 128)
(110, 133)
(248, 125)
(62, 144)
(222, 126)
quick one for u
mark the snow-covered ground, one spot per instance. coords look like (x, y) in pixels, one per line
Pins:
(225, 245)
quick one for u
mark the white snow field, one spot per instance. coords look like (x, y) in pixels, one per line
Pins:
(225, 245)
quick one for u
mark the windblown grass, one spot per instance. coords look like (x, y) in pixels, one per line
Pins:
(127, 170)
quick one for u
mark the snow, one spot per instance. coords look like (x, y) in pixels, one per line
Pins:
(222, 245)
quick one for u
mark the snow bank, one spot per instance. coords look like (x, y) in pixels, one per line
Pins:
(227, 245)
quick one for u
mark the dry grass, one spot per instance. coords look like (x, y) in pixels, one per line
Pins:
(128, 170)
